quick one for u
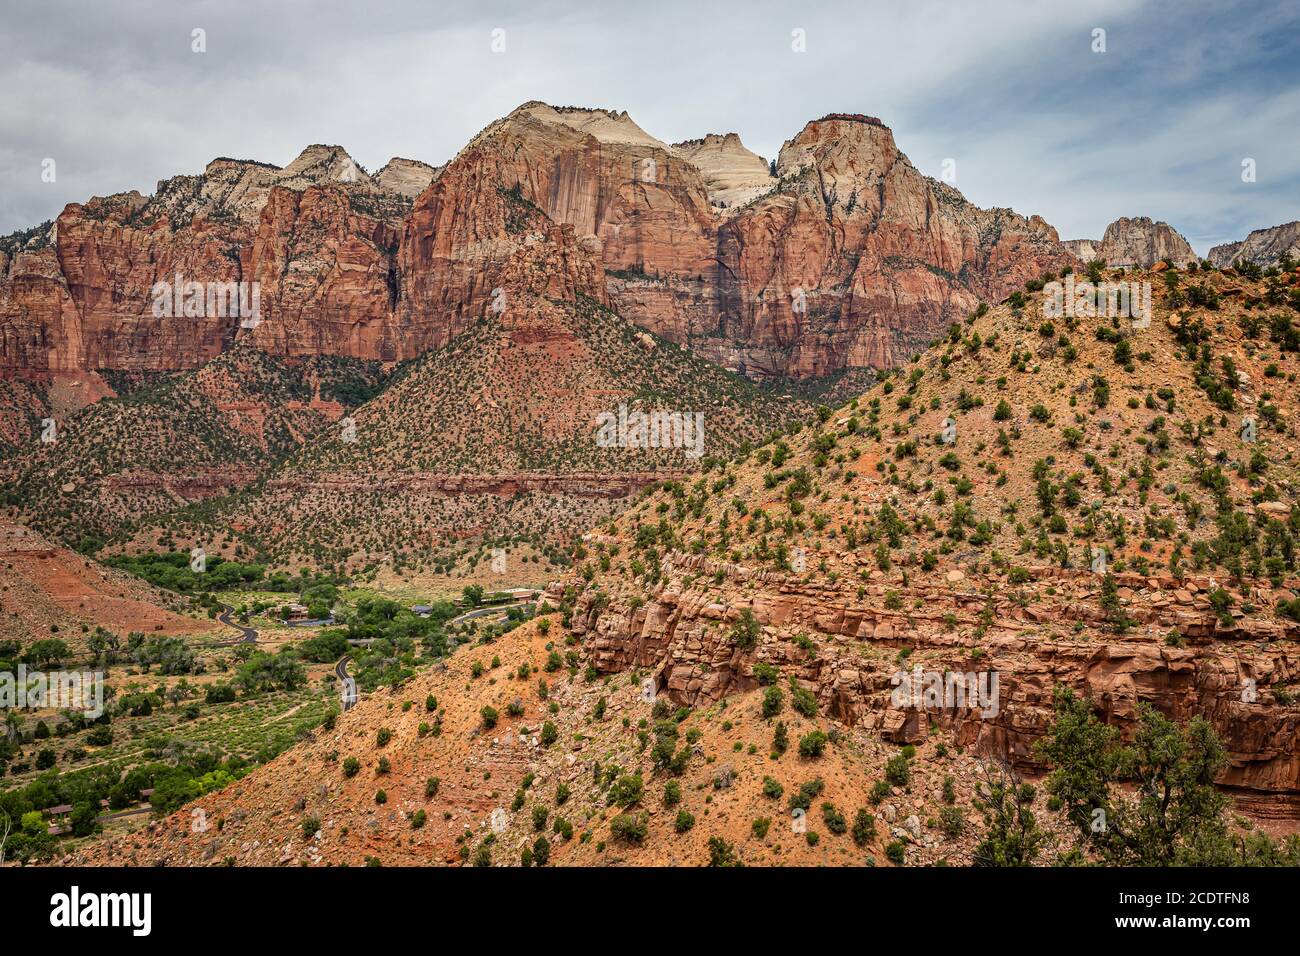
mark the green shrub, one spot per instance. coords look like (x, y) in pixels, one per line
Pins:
(630, 827)
(864, 828)
(834, 819)
(812, 744)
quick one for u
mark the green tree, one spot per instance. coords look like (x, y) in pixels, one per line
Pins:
(1012, 836)
(1152, 802)
(43, 653)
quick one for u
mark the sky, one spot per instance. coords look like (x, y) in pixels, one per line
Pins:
(1018, 95)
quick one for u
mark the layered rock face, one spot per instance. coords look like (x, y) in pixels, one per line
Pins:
(318, 236)
(1264, 247)
(1004, 548)
(858, 259)
(732, 174)
(850, 257)
(682, 634)
(406, 177)
(1137, 243)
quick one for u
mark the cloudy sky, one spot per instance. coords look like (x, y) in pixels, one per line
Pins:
(1158, 124)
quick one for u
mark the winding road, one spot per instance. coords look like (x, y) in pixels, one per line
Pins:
(490, 609)
(246, 634)
(349, 683)
(349, 697)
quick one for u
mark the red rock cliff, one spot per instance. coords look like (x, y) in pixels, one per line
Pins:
(850, 257)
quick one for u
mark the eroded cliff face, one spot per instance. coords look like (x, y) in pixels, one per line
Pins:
(1137, 243)
(860, 260)
(732, 174)
(471, 244)
(1264, 247)
(849, 258)
(845, 648)
(327, 277)
(318, 236)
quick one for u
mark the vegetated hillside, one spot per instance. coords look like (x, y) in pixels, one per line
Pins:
(23, 404)
(867, 546)
(521, 395)
(51, 592)
(701, 693)
(496, 436)
(185, 438)
(510, 753)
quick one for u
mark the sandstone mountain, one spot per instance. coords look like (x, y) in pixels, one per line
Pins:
(491, 433)
(853, 258)
(732, 174)
(317, 236)
(870, 546)
(822, 566)
(1135, 243)
(1264, 247)
(406, 177)
(848, 258)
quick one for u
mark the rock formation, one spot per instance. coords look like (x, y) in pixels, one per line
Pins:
(980, 554)
(1264, 247)
(849, 258)
(1135, 243)
(732, 174)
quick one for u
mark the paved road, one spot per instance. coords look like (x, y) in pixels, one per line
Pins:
(349, 683)
(246, 634)
(492, 609)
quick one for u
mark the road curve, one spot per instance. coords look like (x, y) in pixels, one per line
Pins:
(246, 634)
(489, 609)
(349, 684)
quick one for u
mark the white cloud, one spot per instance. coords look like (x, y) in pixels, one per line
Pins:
(115, 94)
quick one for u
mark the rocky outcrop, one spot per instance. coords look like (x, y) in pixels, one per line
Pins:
(732, 174)
(318, 237)
(1135, 243)
(852, 259)
(406, 177)
(857, 259)
(844, 648)
(1264, 247)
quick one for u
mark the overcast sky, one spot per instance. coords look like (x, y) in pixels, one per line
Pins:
(1157, 125)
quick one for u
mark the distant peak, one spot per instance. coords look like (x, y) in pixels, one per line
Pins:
(325, 163)
(721, 140)
(408, 177)
(607, 126)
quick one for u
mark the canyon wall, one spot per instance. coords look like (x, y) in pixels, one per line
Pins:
(847, 650)
(848, 257)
